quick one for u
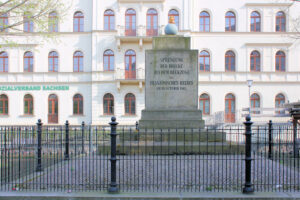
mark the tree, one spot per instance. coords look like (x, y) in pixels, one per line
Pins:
(15, 15)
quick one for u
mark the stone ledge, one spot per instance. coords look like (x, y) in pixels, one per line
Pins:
(145, 196)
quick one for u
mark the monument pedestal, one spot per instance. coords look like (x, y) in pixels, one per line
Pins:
(164, 119)
(171, 85)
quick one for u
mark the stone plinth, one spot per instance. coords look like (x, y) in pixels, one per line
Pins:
(171, 85)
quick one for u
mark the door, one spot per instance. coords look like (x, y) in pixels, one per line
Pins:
(130, 65)
(130, 23)
(230, 108)
(152, 27)
(53, 109)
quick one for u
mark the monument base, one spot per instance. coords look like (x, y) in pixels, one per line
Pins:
(164, 119)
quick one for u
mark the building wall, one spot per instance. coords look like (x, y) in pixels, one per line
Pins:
(93, 83)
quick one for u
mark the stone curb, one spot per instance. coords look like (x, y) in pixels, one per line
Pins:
(144, 196)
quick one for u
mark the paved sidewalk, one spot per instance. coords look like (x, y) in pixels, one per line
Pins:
(143, 196)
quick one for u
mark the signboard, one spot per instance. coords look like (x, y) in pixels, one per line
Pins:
(34, 88)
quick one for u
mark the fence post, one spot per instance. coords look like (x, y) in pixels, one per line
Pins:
(295, 146)
(270, 153)
(113, 159)
(82, 134)
(39, 150)
(248, 185)
(67, 140)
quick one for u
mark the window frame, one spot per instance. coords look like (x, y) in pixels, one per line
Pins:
(54, 58)
(131, 99)
(78, 22)
(204, 100)
(27, 60)
(78, 98)
(253, 61)
(255, 18)
(108, 97)
(282, 61)
(108, 56)
(4, 58)
(109, 16)
(203, 18)
(254, 98)
(5, 105)
(4, 22)
(204, 57)
(229, 18)
(131, 29)
(28, 24)
(29, 101)
(228, 68)
(282, 22)
(153, 30)
(175, 14)
(77, 60)
(53, 22)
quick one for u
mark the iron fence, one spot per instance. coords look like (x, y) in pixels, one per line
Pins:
(118, 158)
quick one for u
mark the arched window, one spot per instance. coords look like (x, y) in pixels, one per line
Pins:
(230, 108)
(3, 62)
(204, 22)
(28, 23)
(3, 22)
(53, 22)
(52, 109)
(129, 104)
(3, 104)
(175, 14)
(108, 104)
(78, 61)
(255, 103)
(130, 22)
(28, 104)
(255, 61)
(152, 22)
(204, 102)
(78, 22)
(28, 61)
(255, 22)
(53, 61)
(280, 61)
(130, 64)
(280, 22)
(109, 60)
(230, 22)
(109, 20)
(77, 104)
(204, 61)
(279, 101)
(230, 61)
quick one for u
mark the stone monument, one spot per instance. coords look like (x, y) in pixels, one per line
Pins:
(171, 94)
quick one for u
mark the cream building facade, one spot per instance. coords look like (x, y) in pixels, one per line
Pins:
(55, 90)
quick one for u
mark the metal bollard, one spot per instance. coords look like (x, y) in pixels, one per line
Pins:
(82, 135)
(113, 159)
(270, 153)
(39, 150)
(67, 143)
(248, 189)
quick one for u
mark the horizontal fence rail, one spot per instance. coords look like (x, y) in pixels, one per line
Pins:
(128, 159)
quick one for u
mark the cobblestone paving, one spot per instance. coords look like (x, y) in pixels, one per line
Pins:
(162, 173)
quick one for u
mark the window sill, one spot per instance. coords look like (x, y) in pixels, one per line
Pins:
(29, 116)
(108, 71)
(112, 115)
(4, 116)
(129, 116)
(77, 116)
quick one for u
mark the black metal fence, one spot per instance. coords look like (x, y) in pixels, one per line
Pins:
(116, 158)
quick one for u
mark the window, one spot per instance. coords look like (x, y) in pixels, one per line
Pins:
(108, 104)
(77, 104)
(204, 104)
(28, 62)
(230, 108)
(255, 103)
(109, 20)
(109, 60)
(130, 104)
(255, 22)
(175, 14)
(255, 61)
(52, 109)
(78, 61)
(130, 65)
(28, 104)
(204, 22)
(28, 23)
(152, 22)
(130, 23)
(230, 22)
(3, 22)
(280, 61)
(3, 62)
(3, 104)
(53, 22)
(279, 101)
(280, 22)
(204, 61)
(78, 24)
(230, 61)
(53, 61)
